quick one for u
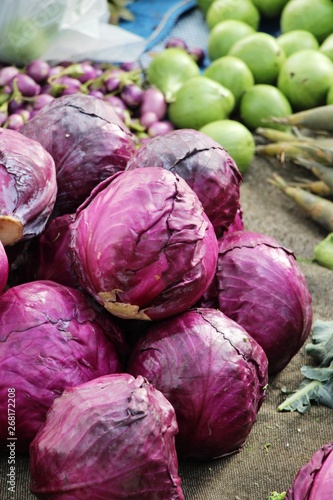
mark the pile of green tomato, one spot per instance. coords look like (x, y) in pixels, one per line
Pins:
(252, 75)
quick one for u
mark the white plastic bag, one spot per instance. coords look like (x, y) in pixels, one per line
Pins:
(58, 30)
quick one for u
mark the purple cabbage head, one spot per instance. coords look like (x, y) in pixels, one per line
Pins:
(51, 338)
(87, 141)
(54, 261)
(259, 284)
(237, 224)
(112, 437)
(4, 268)
(212, 372)
(28, 187)
(143, 246)
(314, 480)
(204, 164)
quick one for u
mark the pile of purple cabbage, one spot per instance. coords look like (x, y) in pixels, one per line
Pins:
(139, 320)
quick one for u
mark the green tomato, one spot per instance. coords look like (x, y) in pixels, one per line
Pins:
(169, 69)
(224, 35)
(232, 73)
(199, 101)
(235, 138)
(315, 16)
(296, 40)
(262, 102)
(327, 47)
(262, 54)
(305, 79)
(243, 10)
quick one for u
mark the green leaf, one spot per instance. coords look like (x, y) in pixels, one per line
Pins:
(321, 348)
(301, 399)
(118, 11)
(321, 374)
(317, 385)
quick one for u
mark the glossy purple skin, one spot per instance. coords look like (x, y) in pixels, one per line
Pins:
(41, 100)
(113, 437)
(112, 83)
(314, 480)
(14, 105)
(3, 117)
(132, 95)
(89, 72)
(56, 70)
(143, 246)
(51, 338)
(53, 252)
(198, 55)
(38, 70)
(96, 93)
(130, 65)
(15, 121)
(153, 101)
(148, 118)
(207, 168)
(7, 73)
(160, 128)
(212, 372)
(4, 268)
(26, 85)
(176, 42)
(25, 113)
(88, 142)
(115, 102)
(28, 183)
(68, 82)
(261, 287)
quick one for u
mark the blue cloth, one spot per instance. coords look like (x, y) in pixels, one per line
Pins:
(155, 19)
(159, 20)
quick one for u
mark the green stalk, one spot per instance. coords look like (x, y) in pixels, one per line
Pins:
(319, 118)
(321, 171)
(317, 208)
(298, 395)
(293, 150)
(317, 187)
(274, 135)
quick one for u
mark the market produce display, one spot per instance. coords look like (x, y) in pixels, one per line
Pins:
(142, 245)
(143, 326)
(29, 187)
(86, 139)
(192, 359)
(259, 285)
(93, 458)
(206, 167)
(51, 338)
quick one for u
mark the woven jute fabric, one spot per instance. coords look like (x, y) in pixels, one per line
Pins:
(280, 442)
